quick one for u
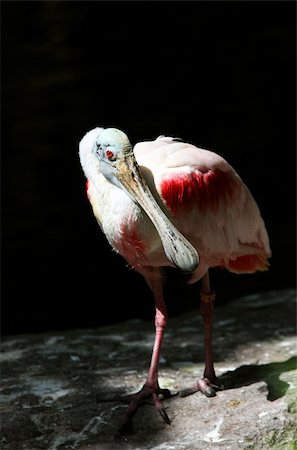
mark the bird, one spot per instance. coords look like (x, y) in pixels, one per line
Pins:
(168, 203)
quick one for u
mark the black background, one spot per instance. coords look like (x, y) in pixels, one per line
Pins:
(219, 74)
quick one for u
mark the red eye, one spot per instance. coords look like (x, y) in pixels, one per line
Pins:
(109, 154)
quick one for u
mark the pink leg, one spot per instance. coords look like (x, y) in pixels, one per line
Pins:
(160, 325)
(151, 387)
(206, 384)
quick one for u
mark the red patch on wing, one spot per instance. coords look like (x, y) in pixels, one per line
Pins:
(203, 190)
(249, 263)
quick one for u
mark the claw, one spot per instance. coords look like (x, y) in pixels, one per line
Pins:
(160, 408)
(164, 416)
(142, 397)
(208, 391)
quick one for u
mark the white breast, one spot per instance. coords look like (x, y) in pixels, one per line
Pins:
(127, 227)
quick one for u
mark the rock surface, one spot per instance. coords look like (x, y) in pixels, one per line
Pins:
(62, 390)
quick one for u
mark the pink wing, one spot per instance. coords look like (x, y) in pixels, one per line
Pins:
(209, 203)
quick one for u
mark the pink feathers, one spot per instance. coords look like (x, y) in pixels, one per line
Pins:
(130, 245)
(203, 190)
(222, 195)
(248, 263)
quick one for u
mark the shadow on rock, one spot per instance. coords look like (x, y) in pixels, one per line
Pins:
(270, 373)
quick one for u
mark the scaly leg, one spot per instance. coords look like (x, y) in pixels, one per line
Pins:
(151, 388)
(207, 384)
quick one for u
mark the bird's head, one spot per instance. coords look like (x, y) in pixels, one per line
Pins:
(111, 145)
(102, 151)
(111, 148)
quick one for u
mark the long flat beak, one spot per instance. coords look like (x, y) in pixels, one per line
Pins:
(177, 248)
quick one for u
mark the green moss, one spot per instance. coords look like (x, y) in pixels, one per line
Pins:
(277, 440)
(291, 394)
(285, 439)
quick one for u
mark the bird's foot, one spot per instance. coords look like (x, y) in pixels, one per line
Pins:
(204, 385)
(156, 394)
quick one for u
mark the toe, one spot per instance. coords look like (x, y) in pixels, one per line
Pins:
(146, 394)
(189, 391)
(206, 387)
(203, 385)
(160, 408)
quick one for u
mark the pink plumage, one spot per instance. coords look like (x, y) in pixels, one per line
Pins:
(209, 204)
(220, 194)
(204, 191)
(170, 203)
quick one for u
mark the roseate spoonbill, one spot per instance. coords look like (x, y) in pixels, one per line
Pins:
(169, 203)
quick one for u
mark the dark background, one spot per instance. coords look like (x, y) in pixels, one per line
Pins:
(219, 74)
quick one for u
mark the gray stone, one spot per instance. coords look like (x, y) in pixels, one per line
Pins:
(62, 390)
